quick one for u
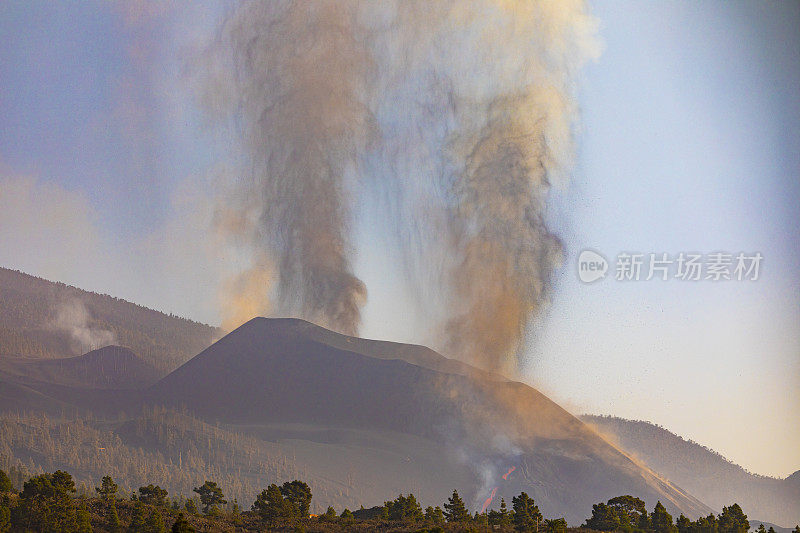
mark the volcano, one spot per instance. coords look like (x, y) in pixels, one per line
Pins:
(360, 420)
(398, 413)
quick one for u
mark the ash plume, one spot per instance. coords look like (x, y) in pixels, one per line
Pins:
(477, 114)
(295, 79)
(455, 118)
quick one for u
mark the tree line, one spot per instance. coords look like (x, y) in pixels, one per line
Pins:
(48, 503)
(164, 446)
(628, 513)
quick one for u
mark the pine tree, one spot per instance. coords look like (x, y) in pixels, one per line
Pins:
(404, 508)
(210, 495)
(506, 517)
(63, 504)
(272, 506)
(455, 510)
(628, 509)
(733, 520)
(603, 518)
(45, 503)
(153, 495)
(661, 520)
(83, 519)
(707, 524)
(182, 525)
(236, 513)
(299, 493)
(137, 524)
(5, 483)
(434, 514)
(107, 489)
(347, 515)
(526, 514)
(112, 517)
(556, 525)
(155, 523)
(5, 519)
(191, 506)
(683, 524)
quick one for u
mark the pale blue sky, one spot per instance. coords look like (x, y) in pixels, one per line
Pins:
(689, 141)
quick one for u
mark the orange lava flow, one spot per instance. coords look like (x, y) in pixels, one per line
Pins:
(488, 500)
(494, 490)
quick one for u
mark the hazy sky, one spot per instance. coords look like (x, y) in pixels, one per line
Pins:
(689, 142)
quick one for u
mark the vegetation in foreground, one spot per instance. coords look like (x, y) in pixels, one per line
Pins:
(48, 503)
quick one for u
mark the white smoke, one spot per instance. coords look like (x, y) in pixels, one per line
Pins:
(72, 317)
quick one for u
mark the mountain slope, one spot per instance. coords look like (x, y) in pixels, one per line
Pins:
(272, 374)
(705, 473)
(44, 319)
(110, 367)
(411, 353)
(361, 420)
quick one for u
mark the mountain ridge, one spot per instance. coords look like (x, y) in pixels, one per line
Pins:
(111, 367)
(39, 319)
(703, 472)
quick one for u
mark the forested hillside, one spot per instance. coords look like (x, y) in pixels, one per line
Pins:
(169, 448)
(704, 472)
(44, 319)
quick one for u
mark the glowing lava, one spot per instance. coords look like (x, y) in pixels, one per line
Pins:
(488, 501)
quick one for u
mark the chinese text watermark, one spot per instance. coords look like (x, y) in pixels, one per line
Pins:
(683, 266)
